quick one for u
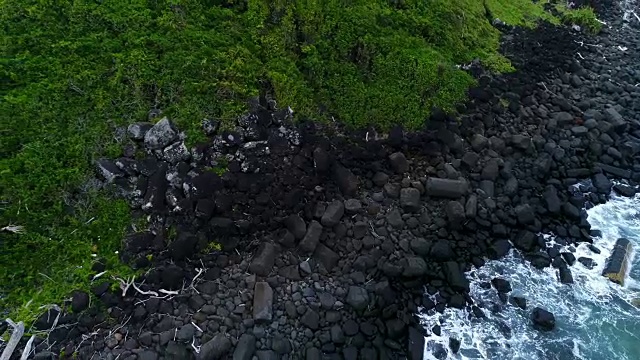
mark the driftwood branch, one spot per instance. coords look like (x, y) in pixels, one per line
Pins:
(16, 335)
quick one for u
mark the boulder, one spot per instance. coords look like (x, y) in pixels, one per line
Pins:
(525, 240)
(602, 183)
(262, 302)
(455, 214)
(215, 348)
(321, 160)
(542, 319)
(346, 180)
(245, 348)
(79, 301)
(564, 274)
(398, 162)
(310, 241)
(519, 302)
(264, 259)
(455, 277)
(333, 214)
(413, 266)
(136, 131)
(160, 135)
(502, 285)
(325, 256)
(410, 199)
(525, 214)
(479, 142)
(176, 152)
(296, 225)
(551, 200)
(357, 298)
(446, 188)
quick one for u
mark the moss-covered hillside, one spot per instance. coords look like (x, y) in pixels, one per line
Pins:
(73, 71)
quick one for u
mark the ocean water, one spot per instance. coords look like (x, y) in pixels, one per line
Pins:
(595, 318)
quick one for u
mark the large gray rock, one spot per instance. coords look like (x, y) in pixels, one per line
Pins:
(357, 298)
(447, 188)
(215, 348)
(413, 266)
(137, 130)
(525, 214)
(346, 180)
(615, 119)
(325, 256)
(551, 199)
(543, 320)
(333, 214)
(245, 348)
(602, 184)
(262, 302)
(310, 241)
(455, 277)
(160, 135)
(176, 152)
(479, 142)
(455, 214)
(297, 226)
(410, 199)
(399, 162)
(264, 260)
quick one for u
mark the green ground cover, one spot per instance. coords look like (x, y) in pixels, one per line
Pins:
(73, 71)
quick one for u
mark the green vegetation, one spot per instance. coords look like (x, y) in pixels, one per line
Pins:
(73, 71)
(584, 17)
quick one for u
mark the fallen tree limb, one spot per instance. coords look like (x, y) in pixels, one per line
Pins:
(16, 335)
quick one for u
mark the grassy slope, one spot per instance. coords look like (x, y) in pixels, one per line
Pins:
(72, 71)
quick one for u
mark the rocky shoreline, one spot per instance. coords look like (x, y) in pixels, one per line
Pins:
(332, 240)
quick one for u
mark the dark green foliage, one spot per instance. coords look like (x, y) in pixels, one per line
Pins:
(71, 72)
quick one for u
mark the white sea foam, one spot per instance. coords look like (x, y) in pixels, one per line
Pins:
(595, 318)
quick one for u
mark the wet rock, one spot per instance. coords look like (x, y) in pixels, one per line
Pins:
(551, 200)
(399, 162)
(542, 319)
(410, 199)
(587, 262)
(160, 135)
(455, 277)
(602, 184)
(264, 259)
(525, 240)
(416, 344)
(564, 273)
(519, 302)
(215, 348)
(262, 302)
(499, 249)
(501, 285)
